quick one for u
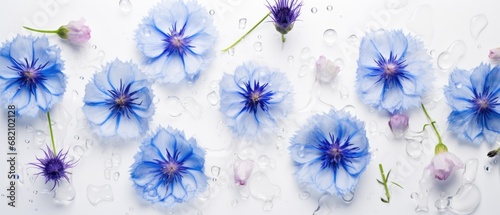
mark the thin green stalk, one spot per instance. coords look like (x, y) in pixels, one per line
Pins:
(283, 39)
(440, 141)
(241, 38)
(384, 182)
(51, 134)
(41, 31)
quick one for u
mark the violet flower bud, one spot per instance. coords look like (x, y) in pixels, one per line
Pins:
(443, 164)
(242, 170)
(494, 54)
(75, 31)
(398, 124)
(326, 70)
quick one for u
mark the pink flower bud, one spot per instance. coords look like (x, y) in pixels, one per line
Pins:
(75, 31)
(443, 164)
(242, 170)
(398, 124)
(326, 70)
(494, 54)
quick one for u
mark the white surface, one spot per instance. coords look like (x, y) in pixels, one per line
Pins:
(440, 23)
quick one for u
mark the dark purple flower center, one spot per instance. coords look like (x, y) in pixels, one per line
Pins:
(122, 100)
(172, 168)
(484, 102)
(335, 152)
(176, 42)
(391, 70)
(256, 96)
(29, 73)
(54, 169)
(284, 14)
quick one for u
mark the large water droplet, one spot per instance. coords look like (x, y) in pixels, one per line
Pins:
(212, 98)
(477, 25)
(257, 46)
(125, 6)
(330, 36)
(450, 57)
(466, 200)
(421, 22)
(305, 54)
(470, 170)
(348, 197)
(242, 23)
(79, 150)
(261, 187)
(97, 194)
(65, 193)
(174, 106)
(414, 148)
(352, 39)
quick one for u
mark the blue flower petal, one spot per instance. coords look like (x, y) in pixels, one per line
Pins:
(145, 172)
(21, 49)
(152, 44)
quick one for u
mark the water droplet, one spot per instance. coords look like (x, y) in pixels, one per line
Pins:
(458, 85)
(242, 23)
(329, 8)
(330, 36)
(257, 46)
(414, 195)
(290, 59)
(267, 206)
(261, 187)
(146, 32)
(116, 159)
(213, 98)
(455, 51)
(89, 143)
(76, 137)
(487, 168)
(421, 22)
(107, 174)
(304, 195)
(116, 175)
(305, 54)
(352, 39)
(350, 109)
(174, 106)
(304, 70)
(27, 141)
(414, 148)
(230, 52)
(100, 54)
(314, 10)
(125, 6)
(30, 201)
(477, 25)
(263, 161)
(373, 127)
(442, 204)
(215, 171)
(395, 4)
(79, 150)
(344, 92)
(94, 46)
(348, 197)
(211, 12)
(97, 194)
(259, 36)
(339, 62)
(234, 203)
(466, 200)
(65, 193)
(301, 152)
(432, 52)
(39, 136)
(35, 192)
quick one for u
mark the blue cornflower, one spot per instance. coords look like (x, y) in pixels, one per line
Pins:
(54, 166)
(253, 99)
(169, 168)
(177, 40)
(118, 101)
(284, 14)
(474, 100)
(394, 71)
(330, 152)
(30, 75)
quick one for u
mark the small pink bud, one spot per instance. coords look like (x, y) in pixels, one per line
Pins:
(75, 31)
(326, 70)
(398, 124)
(242, 170)
(494, 54)
(443, 165)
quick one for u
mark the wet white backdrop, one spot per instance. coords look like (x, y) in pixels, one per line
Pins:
(455, 33)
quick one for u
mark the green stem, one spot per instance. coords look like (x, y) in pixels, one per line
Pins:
(241, 38)
(51, 134)
(384, 180)
(41, 31)
(283, 39)
(440, 141)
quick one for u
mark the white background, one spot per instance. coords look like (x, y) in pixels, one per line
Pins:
(439, 23)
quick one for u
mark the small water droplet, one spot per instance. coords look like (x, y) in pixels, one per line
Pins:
(477, 25)
(414, 148)
(352, 39)
(263, 161)
(339, 62)
(97, 194)
(257, 46)
(212, 98)
(304, 195)
(259, 36)
(329, 8)
(79, 150)
(344, 92)
(373, 127)
(230, 52)
(330, 36)
(211, 12)
(116, 175)
(146, 32)
(94, 46)
(39, 136)
(267, 206)
(301, 152)
(234, 203)
(27, 141)
(414, 196)
(458, 85)
(290, 59)
(174, 106)
(305, 54)
(100, 54)
(107, 174)
(242, 23)
(215, 171)
(116, 159)
(487, 168)
(35, 192)
(314, 10)
(125, 6)
(30, 201)
(441, 204)
(348, 197)
(89, 143)
(432, 52)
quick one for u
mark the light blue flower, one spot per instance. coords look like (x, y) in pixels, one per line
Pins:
(394, 71)
(31, 75)
(169, 168)
(330, 152)
(177, 40)
(118, 101)
(254, 99)
(474, 100)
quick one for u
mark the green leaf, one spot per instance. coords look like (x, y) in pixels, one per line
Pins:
(382, 183)
(397, 184)
(383, 200)
(387, 177)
